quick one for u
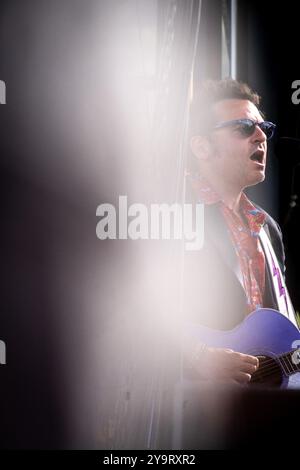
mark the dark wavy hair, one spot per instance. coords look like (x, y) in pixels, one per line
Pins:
(211, 92)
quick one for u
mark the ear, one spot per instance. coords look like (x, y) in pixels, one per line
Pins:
(201, 147)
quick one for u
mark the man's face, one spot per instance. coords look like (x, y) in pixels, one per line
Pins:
(240, 160)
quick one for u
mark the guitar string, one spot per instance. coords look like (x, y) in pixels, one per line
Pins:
(264, 371)
(268, 369)
(266, 364)
(285, 356)
(271, 365)
(287, 366)
(260, 377)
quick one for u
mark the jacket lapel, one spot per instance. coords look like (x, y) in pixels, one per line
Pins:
(220, 237)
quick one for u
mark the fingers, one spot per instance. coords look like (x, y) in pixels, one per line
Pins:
(250, 359)
(248, 363)
(236, 377)
(242, 377)
(239, 366)
(248, 368)
(244, 360)
(228, 365)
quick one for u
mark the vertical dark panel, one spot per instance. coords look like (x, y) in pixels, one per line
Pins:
(208, 59)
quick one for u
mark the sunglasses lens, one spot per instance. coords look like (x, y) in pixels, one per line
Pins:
(247, 128)
(268, 129)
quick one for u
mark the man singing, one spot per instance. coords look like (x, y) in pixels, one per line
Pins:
(241, 266)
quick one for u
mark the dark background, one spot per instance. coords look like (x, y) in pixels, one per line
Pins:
(52, 263)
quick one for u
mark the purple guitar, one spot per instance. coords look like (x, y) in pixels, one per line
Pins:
(267, 334)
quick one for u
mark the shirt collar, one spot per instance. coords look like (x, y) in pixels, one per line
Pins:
(208, 196)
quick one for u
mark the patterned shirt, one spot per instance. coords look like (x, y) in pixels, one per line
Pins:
(243, 230)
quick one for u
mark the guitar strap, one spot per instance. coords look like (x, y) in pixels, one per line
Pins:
(279, 288)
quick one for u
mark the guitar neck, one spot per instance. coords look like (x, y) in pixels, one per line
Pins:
(290, 361)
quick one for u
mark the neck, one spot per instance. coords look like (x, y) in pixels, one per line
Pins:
(231, 200)
(229, 194)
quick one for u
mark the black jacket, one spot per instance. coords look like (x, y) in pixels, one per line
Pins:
(213, 288)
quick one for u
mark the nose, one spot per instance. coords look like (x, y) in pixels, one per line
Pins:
(259, 135)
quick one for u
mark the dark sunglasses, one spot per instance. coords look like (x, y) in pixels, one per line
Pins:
(246, 127)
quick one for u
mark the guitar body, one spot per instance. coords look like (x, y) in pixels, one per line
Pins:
(265, 333)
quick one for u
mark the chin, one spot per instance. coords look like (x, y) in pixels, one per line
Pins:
(256, 180)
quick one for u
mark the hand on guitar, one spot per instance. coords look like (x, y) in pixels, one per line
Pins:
(223, 365)
(205, 355)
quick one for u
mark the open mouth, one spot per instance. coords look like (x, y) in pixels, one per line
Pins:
(258, 156)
